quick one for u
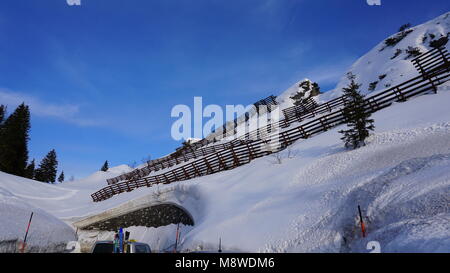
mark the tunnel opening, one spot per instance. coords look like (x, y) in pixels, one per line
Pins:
(153, 216)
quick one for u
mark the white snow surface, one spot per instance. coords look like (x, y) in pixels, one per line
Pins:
(375, 63)
(308, 203)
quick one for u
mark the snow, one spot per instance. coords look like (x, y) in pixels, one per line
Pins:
(46, 234)
(284, 101)
(376, 63)
(307, 203)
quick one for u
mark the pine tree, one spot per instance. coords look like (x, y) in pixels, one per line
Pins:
(14, 141)
(105, 166)
(61, 177)
(404, 27)
(304, 87)
(29, 171)
(2, 118)
(357, 118)
(2, 114)
(47, 168)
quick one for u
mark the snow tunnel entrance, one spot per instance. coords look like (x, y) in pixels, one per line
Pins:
(153, 216)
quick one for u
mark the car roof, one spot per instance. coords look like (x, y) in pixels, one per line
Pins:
(104, 242)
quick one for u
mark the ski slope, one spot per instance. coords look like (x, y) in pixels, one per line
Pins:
(302, 200)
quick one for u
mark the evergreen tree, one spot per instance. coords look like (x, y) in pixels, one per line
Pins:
(305, 86)
(47, 168)
(105, 166)
(14, 141)
(2, 118)
(2, 114)
(29, 171)
(404, 27)
(357, 118)
(61, 177)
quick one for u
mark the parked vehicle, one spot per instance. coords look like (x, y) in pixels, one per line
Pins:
(129, 247)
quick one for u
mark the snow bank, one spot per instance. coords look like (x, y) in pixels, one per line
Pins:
(46, 233)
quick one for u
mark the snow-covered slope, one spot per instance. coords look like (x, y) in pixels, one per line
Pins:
(309, 201)
(382, 64)
(47, 233)
(20, 196)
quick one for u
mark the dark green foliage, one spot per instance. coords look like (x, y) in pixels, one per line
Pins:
(357, 118)
(2, 114)
(397, 52)
(105, 166)
(404, 27)
(373, 85)
(392, 41)
(30, 169)
(48, 168)
(439, 42)
(61, 177)
(424, 38)
(412, 52)
(14, 136)
(315, 90)
(305, 86)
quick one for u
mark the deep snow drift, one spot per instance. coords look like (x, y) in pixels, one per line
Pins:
(47, 233)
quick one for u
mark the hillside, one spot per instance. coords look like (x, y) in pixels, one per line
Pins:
(390, 63)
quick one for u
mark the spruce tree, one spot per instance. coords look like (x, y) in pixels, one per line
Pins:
(29, 171)
(2, 119)
(305, 86)
(47, 168)
(14, 141)
(105, 166)
(61, 177)
(357, 118)
(2, 114)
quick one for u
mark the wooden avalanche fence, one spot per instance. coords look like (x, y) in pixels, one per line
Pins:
(434, 70)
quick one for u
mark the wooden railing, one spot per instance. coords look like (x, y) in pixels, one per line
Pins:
(237, 155)
(301, 112)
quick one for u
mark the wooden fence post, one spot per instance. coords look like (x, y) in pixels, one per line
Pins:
(195, 169)
(207, 165)
(175, 175)
(185, 173)
(235, 158)
(221, 163)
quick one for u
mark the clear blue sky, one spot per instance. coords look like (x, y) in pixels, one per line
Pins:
(102, 78)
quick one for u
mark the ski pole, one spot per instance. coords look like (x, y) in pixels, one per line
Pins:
(363, 228)
(26, 233)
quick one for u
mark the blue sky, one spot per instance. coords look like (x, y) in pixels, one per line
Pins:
(101, 78)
